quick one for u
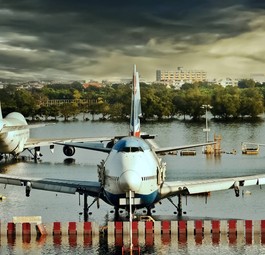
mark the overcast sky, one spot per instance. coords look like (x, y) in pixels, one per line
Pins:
(86, 39)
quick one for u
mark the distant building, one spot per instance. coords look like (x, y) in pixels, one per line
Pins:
(180, 76)
(228, 82)
(92, 83)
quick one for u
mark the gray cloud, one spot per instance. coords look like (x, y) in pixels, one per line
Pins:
(80, 39)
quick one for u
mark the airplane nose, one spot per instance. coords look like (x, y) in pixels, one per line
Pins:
(130, 180)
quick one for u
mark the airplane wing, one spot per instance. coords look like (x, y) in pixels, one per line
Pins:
(35, 142)
(168, 189)
(182, 147)
(85, 143)
(99, 147)
(91, 188)
(174, 188)
(87, 146)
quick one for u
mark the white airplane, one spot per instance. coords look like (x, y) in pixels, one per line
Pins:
(15, 137)
(132, 176)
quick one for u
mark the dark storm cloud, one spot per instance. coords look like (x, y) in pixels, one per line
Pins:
(72, 36)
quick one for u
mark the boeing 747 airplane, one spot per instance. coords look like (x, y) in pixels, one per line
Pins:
(15, 137)
(133, 175)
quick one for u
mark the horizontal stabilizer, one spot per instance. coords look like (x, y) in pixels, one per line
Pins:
(182, 147)
(88, 146)
(6, 129)
(33, 142)
(147, 136)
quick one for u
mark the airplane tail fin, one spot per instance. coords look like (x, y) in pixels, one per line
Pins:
(136, 110)
(1, 115)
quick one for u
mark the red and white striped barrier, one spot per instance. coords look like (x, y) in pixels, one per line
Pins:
(55, 228)
(139, 228)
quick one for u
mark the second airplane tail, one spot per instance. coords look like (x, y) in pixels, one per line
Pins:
(136, 110)
(1, 115)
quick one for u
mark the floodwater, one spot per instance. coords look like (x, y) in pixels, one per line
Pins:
(64, 208)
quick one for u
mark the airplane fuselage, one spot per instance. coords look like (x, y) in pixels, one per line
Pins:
(132, 166)
(12, 142)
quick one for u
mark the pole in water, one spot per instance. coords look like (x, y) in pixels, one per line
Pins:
(130, 217)
(85, 208)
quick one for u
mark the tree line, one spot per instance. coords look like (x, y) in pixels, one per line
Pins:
(158, 101)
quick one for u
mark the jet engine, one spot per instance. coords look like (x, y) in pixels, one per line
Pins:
(110, 144)
(28, 188)
(69, 150)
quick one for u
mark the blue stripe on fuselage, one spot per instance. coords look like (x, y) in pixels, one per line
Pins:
(146, 200)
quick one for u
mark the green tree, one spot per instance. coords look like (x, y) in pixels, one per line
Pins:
(7, 99)
(180, 103)
(117, 111)
(148, 100)
(68, 110)
(226, 102)
(76, 94)
(251, 102)
(104, 109)
(246, 83)
(195, 99)
(25, 103)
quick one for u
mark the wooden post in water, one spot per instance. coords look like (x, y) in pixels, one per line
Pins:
(217, 145)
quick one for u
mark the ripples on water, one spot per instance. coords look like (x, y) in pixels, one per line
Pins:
(79, 245)
(64, 208)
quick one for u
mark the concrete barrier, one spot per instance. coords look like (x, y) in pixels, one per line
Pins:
(149, 229)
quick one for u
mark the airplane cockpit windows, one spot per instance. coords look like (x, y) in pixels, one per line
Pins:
(131, 145)
(131, 149)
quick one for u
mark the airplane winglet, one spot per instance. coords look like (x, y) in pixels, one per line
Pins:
(136, 110)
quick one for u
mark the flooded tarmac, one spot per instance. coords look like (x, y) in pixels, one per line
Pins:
(64, 208)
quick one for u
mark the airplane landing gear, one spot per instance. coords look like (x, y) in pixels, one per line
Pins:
(149, 212)
(116, 213)
(86, 207)
(36, 154)
(179, 206)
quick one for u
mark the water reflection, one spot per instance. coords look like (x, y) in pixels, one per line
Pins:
(148, 244)
(69, 161)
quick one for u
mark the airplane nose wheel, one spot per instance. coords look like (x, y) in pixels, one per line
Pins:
(116, 213)
(149, 210)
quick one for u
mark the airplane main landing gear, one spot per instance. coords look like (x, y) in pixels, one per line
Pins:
(36, 154)
(149, 210)
(179, 206)
(86, 207)
(116, 213)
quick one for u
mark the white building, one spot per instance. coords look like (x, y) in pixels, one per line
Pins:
(228, 82)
